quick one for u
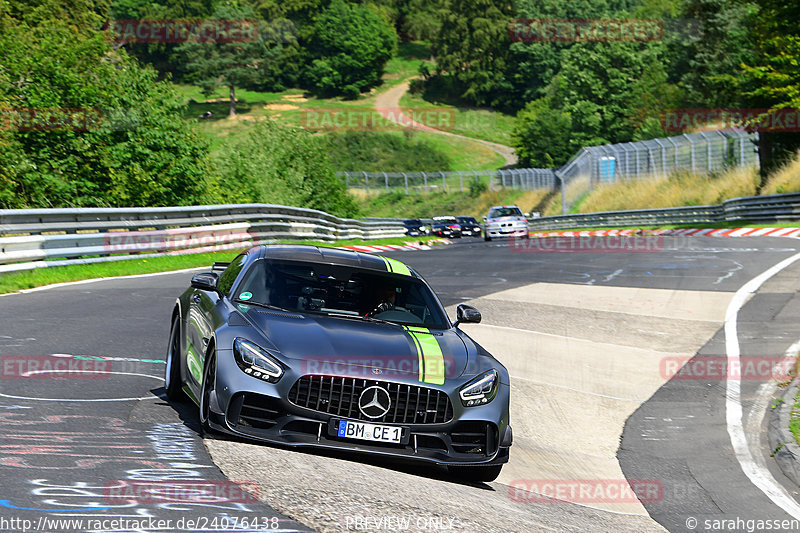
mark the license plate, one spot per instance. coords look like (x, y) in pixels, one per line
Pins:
(372, 432)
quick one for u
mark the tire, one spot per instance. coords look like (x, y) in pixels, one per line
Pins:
(209, 379)
(477, 474)
(172, 374)
(487, 238)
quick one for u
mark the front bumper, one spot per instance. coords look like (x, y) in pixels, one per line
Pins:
(248, 407)
(497, 232)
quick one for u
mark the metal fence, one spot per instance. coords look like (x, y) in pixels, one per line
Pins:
(33, 238)
(595, 165)
(409, 182)
(703, 152)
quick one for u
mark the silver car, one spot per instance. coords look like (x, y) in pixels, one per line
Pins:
(505, 221)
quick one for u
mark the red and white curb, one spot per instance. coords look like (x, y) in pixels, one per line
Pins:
(407, 246)
(686, 232)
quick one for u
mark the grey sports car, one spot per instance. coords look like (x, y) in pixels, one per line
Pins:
(319, 347)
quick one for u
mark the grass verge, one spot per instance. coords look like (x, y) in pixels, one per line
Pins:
(148, 264)
(415, 205)
(794, 422)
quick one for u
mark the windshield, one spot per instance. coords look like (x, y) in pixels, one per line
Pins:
(412, 222)
(497, 212)
(446, 220)
(342, 291)
(467, 220)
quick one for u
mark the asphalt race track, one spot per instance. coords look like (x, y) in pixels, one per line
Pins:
(585, 335)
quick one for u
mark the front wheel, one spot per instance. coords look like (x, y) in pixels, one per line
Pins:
(478, 474)
(487, 238)
(209, 380)
(172, 374)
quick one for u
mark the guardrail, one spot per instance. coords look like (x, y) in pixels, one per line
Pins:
(34, 238)
(767, 209)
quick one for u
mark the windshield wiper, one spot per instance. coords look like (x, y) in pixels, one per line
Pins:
(362, 318)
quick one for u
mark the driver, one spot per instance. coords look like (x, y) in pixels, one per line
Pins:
(385, 297)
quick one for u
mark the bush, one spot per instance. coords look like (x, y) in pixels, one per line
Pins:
(476, 188)
(283, 165)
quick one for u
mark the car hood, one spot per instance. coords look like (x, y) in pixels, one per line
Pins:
(503, 219)
(319, 344)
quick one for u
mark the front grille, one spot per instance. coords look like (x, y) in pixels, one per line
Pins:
(256, 411)
(474, 438)
(339, 396)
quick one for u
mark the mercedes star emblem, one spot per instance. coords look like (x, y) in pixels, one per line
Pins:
(374, 402)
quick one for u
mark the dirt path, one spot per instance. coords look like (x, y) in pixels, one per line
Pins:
(387, 104)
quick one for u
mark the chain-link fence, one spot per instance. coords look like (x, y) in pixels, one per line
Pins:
(518, 178)
(702, 152)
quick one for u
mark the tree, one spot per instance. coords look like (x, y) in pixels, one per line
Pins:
(349, 49)
(231, 64)
(541, 135)
(603, 93)
(772, 78)
(716, 48)
(472, 47)
(134, 150)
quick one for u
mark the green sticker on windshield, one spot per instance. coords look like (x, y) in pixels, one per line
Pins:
(245, 296)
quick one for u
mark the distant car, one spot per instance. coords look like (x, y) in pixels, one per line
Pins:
(415, 227)
(469, 226)
(446, 226)
(505, 221)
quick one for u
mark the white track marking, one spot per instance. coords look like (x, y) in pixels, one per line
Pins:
(150, 397)
(556, 335)
(93, 280)
(759, 475)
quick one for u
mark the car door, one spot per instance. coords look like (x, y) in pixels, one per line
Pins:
(200, 324)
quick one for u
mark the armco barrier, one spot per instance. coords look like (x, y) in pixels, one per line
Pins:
(32, 238)
(763, 209)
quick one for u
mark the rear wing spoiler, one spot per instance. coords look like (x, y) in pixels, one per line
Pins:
(219, 266)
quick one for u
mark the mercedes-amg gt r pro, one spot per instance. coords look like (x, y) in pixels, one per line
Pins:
(326, 348)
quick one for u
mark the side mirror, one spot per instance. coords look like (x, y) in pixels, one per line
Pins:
(484, 219)
(466, 314)
(205, 281)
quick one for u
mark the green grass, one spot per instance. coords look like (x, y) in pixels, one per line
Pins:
(16, 281)
(291, 107)
(484, 124)
(405, 64)
(464, 154)
(416, 205)
(794, 422)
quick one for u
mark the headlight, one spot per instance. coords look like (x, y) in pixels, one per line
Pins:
(480, 390)
(256, 361)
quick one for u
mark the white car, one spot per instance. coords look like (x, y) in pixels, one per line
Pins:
(505, 221)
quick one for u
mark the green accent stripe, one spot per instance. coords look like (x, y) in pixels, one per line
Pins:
(395, 266)
(430, 353)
